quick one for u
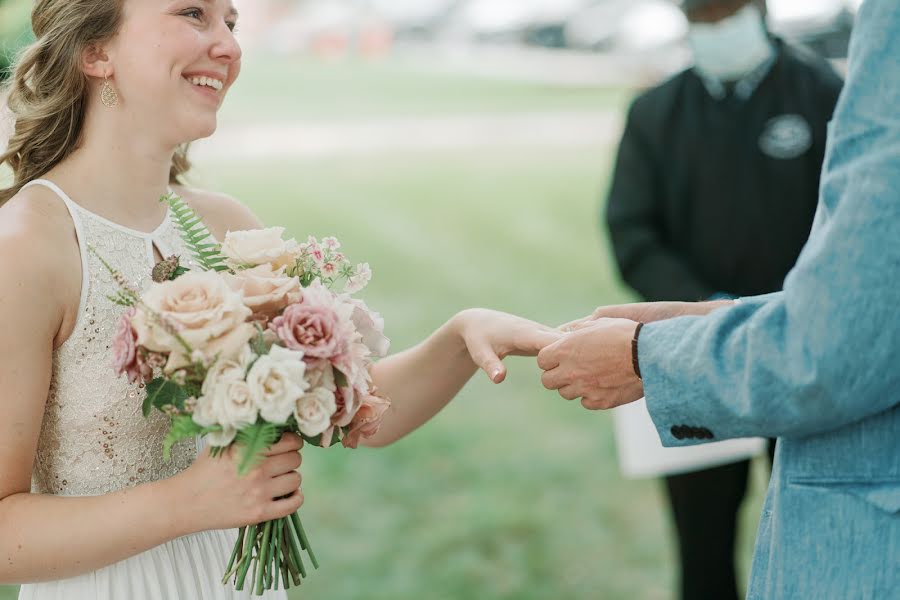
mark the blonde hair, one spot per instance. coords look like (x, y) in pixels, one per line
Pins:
(48, 92)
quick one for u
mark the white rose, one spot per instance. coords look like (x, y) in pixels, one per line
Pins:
(220, 439)
(276, 381)
(370, 326)
(313, 411)
(205, 313)
(226, 399)
(258, 247)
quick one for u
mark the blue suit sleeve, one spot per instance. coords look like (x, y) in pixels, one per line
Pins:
(825, 352)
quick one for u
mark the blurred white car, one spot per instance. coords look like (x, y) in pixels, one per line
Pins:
(629, 25)
(509, 20)
(823, 25)
(414, 18)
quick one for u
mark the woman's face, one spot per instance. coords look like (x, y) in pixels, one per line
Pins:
(174, 61)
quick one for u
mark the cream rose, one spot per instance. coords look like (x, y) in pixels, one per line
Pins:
(276, 381)
(265, 290)
(258, 247)
(226, 399)
(205, 313)
(313, 411)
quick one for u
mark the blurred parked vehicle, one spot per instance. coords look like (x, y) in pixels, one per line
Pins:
(822, 25)
(626, 25)
(414, 19)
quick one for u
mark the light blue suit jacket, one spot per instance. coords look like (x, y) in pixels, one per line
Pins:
(817, 365)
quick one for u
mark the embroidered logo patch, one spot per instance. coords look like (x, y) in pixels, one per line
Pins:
(785, 137)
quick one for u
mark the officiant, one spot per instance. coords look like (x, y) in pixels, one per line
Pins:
(713, 196)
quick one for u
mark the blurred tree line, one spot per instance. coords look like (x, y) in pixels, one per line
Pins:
(15, 31)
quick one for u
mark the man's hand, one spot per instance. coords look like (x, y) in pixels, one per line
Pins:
(647, 312)
(594, 363)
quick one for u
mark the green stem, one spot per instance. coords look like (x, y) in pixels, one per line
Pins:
(259, 575)
(276, 554)
(295, 518)
(249, 542)
(237, 556)
(295, 546)
(238, 545)
(274, 551)
(292, 554)
(286, 558)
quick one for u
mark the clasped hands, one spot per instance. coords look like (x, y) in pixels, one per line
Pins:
(590, 358)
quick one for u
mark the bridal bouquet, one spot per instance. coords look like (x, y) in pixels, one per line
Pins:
(265, 337)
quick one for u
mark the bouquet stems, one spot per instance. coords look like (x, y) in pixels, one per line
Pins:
(274, 550)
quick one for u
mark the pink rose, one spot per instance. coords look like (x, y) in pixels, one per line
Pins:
(348, 403)
(265, 290)
(124, 348)
(318, 325)
(367, 420)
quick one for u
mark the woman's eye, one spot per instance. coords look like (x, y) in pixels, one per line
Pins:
(232, 26)
(194, 13)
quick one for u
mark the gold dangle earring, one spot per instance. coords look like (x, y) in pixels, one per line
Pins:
(108, 95)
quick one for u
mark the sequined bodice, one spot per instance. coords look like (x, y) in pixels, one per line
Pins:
(94, 438)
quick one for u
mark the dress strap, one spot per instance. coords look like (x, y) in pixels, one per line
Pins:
(75, 214)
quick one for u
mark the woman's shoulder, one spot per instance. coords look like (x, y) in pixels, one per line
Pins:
(35, 233)
(35, 220)
(220, 212)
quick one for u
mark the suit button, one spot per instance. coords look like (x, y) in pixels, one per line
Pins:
(678, 432)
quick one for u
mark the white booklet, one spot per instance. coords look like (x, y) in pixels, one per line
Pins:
(641, 454)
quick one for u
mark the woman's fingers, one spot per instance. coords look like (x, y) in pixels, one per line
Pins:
(284, 485)
(281, 463)
(289, 442)
(486, 358)
(532, 342)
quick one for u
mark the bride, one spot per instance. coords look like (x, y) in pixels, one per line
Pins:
(104, 103)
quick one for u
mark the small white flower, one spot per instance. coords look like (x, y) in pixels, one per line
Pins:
(276, 381)
(359, 280)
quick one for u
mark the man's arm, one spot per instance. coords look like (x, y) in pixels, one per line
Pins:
(633, 217)
(823, 353)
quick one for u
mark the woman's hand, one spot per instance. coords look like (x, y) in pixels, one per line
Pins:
(215, 497)
(491, 336)
(647, 312)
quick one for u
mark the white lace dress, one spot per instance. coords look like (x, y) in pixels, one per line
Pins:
(95, 440)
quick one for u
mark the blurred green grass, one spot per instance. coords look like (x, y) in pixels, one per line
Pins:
(271, 87)
(510, 493)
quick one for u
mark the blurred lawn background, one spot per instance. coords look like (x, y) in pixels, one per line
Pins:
(510, 493)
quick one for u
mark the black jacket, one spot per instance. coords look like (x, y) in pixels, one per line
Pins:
(718, 196)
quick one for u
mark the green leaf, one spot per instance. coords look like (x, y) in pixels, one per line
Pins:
(340, 379)
(317, 440)
(195, 235)
(162, 392)
(254, 440)
(183, 427)
(260, 347)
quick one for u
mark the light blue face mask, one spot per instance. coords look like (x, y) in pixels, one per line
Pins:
(732, 48)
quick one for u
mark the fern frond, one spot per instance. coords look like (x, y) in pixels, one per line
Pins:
(195, 235)
(254, 440)
(183, 428)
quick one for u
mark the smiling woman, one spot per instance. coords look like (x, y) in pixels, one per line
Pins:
(104, 103)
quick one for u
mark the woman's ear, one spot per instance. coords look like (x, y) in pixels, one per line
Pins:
(95, 62)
